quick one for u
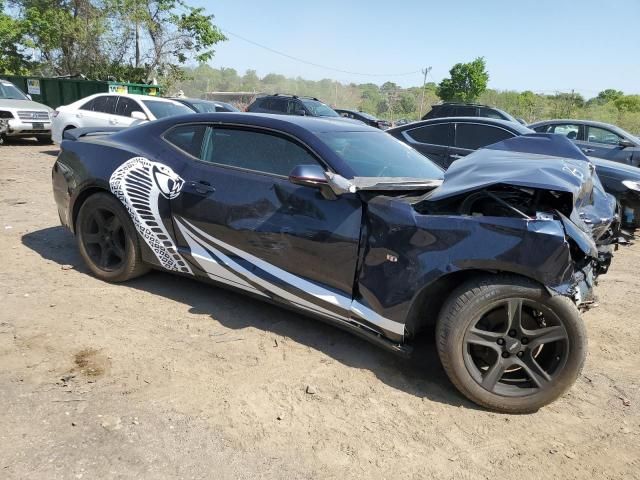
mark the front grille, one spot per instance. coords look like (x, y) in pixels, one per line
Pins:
(34, 116)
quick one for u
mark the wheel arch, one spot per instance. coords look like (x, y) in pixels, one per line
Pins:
(427, 303)
(80, 199)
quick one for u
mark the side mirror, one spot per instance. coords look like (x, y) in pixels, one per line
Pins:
(308, 176)
(301, 112)
(624, 143)
(138, 115)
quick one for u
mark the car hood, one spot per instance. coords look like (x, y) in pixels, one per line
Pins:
(23, 105)
(539, 161)
(485, 168)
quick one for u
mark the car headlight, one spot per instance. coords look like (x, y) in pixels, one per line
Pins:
(5, 114)
(632, 185)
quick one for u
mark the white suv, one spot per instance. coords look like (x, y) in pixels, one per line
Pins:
(20, 117)
(113, 110)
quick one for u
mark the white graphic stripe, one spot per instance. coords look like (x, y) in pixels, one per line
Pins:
(256, 279)
(300, 283)
(209, 264)
(323, 294)
(135, 184)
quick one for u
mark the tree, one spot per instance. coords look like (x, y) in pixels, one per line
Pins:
(466, 83)
(134, 40)
(609, 95)
(628, 103)
(13, 60)
(250, 81)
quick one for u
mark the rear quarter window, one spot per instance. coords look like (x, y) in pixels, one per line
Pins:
(473, 136)
(187, 138)
(439, 134)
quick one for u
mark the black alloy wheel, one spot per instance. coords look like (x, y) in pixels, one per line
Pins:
(108, 240)
(508, 344)
(516, 347)
(103, 237)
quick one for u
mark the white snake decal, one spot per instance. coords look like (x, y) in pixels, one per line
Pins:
(139, 184)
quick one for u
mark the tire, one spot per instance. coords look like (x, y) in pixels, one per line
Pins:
(468, 352)
(124, 259)
(44, 139)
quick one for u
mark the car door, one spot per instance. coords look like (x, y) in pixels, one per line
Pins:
(240, 219)
(102, 112)
(470, 136)
(433, 141)
(122, 114)
(605, 143)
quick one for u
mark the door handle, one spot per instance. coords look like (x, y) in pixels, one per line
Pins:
(588, 150)
(455, 155)
(202, 187)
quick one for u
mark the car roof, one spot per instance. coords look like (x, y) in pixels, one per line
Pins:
(514, 126)
(461, 103)
(134, 96)
(276, 121)
(592, 123)
(287, 95)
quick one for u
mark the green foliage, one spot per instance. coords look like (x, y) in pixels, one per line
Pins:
(608, 95)
(467, 82)
(129, 40)
(13, 58)
(628, 103)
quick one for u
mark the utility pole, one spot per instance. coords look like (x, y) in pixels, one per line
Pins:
(424, 84)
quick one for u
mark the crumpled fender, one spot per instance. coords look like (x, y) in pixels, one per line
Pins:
(583, 240)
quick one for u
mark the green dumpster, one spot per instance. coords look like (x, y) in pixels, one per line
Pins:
(62, 91)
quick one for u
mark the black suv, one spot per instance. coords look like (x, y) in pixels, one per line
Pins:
(291, 105)
(450, 109)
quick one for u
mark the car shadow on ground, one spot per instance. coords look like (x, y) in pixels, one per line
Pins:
(421, 375)
(47, 149)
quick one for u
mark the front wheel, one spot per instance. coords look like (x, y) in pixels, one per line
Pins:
(508, 345)
(107, 239)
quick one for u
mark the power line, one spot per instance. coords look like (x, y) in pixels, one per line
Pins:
(301, 60)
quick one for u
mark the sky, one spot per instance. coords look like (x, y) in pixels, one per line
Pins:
(544, 46)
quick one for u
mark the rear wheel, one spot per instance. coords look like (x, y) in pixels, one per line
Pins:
(508, 345)
(107, 239)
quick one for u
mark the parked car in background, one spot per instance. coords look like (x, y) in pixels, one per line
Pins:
(446, 140)
(206, 106)
(596, 139)
(112, 110)
(345, 223)
(24, 117)
(400, 122)
(365, 118)
(293, 105)
(453, 109)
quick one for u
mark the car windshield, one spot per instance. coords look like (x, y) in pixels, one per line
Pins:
(204, 107)
(10, 92)
(166, 109)
(367, 116)
(319, 109)
(378, 154)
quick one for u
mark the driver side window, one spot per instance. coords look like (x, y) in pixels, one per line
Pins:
(252, 150)
(602, 135)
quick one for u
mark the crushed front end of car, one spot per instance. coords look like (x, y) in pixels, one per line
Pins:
(558, 199)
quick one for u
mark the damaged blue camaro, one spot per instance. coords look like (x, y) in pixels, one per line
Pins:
(345, 223)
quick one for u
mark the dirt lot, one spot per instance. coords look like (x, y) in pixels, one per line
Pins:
(164, 377)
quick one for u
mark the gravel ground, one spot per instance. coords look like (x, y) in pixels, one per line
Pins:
(164, 377)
